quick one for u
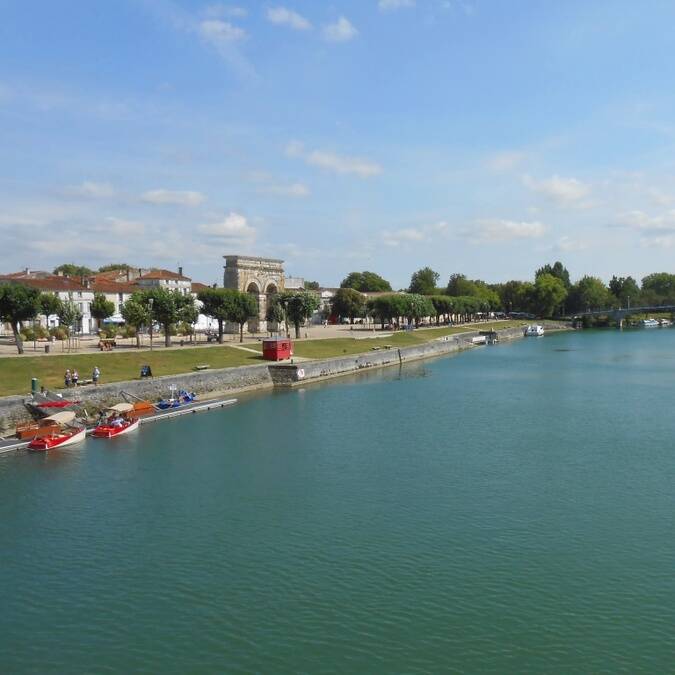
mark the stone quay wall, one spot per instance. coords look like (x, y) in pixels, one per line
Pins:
(230, 381)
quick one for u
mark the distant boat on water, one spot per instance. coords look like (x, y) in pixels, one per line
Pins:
(650, 323)
(534, 330)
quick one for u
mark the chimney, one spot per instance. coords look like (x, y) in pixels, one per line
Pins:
(180, 270)
(27, 271)
(128, 279)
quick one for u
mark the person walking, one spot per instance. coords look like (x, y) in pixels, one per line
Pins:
(76, 377)
(67, 378)
(95, 375)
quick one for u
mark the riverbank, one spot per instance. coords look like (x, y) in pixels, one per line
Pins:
(215, 383)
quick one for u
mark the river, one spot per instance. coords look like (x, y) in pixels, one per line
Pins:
(507, 510)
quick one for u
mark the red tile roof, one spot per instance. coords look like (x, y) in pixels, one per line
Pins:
(113, 287)
(52, 282)
(198, 286)
(164, 274)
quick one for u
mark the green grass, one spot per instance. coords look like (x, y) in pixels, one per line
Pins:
(332, 347)
(16, 373)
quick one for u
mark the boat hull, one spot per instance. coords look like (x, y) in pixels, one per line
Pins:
(59, 440)
(108, 431)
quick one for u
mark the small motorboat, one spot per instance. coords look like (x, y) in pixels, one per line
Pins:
(664, 323)
(120, 421)
(177, 399)
(534, 330)
(63, 433)
(650, 323)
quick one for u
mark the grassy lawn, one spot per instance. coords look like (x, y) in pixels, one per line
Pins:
(323, 349)
(16, 373)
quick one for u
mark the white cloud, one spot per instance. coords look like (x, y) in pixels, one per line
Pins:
(176, 197)
(218, 9)
(562, 191)
(287, 17)
(505, 161)
(496, 230)
(292, 190)
(387, 5)
(91, 190)
(340, 31)
(234, 227)
(220, 33)
(341, 164)
(567, 245)
(412, 235)
(120, 226)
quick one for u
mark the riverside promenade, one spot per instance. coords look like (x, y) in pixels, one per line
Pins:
(214, 383)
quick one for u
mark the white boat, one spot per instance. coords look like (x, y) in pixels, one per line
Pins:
(650, 323)
(664, 322)
(534, 330)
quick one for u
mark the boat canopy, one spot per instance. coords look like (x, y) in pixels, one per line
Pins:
(122, 407)
(62, 417)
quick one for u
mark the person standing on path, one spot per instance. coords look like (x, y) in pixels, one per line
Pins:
(67, 378)
(95, 375)
(76, 377)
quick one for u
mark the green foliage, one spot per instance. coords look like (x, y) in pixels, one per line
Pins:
(459, 285)
(101, 308)
(136, 314)
(73, 270)
(123, 267)
(168, 308)
(366, 282)
(348, 303)
(417, 307)
(659, 288)
(240, 308)
(424, 281)
(549, 295)
(557, 270)
(215, 303)
(516, 296)
(69, 315)
(274, 312)
(60, 332)
(50, 304)
(589, 293)
(312, 285)
(625, 290)
(298, 307)
(18, 303)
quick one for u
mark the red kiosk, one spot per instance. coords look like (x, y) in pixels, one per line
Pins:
(277, 349)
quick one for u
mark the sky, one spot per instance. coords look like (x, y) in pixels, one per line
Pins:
(474, 136)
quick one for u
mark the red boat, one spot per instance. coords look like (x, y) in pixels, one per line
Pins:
(118, 423)
(62, 435)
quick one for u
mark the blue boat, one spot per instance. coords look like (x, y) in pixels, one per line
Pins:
(177, 399)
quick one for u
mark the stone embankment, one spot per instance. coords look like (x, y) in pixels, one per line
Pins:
(230, 381)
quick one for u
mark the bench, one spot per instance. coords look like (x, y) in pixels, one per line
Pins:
(202, 366)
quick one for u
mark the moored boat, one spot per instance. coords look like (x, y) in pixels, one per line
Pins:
(120, 421)
(177, 399)
(649, 323)
(63, 433)
(534, 330)
(664, 323)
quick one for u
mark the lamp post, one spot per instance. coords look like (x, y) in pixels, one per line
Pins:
(628, 299)
(151, 301)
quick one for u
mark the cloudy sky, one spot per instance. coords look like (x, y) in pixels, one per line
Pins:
(474, 136)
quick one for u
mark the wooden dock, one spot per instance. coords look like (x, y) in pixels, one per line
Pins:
(12, 445)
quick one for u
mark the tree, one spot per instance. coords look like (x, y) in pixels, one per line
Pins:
(623, 289)
(348, 303)
(312, 285)
(240, 307)
(275, 312)
(416, 307)
(660, 288)
(423, 282)
(215, 303)
(136, 313)
(101, 308)
(69, 316)
(549, 294)
(298, 307)
(18, 303)
(49, 304)
(387, 307)
(589, 293)
(366, 282)
(73, 270)
(113, 267)
(459, 285)
(557, 270)
(516, 296)
(170, 307)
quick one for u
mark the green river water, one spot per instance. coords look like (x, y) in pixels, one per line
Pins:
(507, 510)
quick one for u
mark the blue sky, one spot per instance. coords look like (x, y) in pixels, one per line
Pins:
(473, 136)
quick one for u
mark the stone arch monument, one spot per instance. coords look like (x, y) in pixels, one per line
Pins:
(261, 277)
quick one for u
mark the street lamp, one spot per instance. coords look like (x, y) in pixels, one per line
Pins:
(151, 301)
